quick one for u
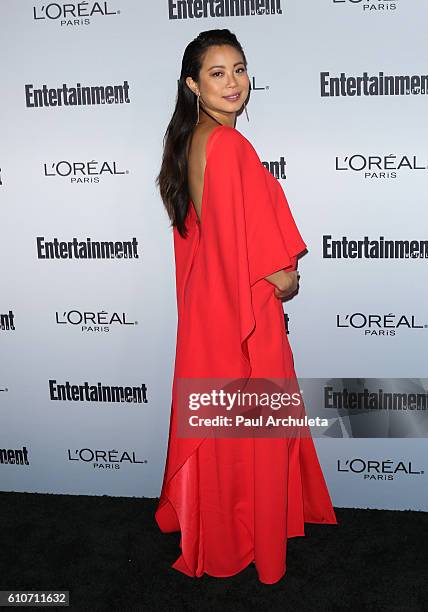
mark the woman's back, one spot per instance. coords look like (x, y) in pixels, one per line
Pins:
(196, 159)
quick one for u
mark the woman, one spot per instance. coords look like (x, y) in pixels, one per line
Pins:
(235, 501)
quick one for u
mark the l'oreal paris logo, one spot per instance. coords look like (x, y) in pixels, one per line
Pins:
(80, 172)
(378, 166)
(377, 469)
(71, 14)
(371, 6)
(375, 324)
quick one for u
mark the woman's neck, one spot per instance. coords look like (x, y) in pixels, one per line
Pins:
(212, 117)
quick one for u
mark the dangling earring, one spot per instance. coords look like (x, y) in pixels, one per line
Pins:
(245, 108)
(197, 106)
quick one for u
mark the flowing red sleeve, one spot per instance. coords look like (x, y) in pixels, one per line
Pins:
(260, 207)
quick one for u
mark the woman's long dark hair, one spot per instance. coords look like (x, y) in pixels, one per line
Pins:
(172, 178)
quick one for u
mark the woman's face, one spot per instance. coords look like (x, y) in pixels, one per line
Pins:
(223, 74)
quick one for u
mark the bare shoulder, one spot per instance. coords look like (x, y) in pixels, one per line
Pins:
(198, 141)
(197, 160)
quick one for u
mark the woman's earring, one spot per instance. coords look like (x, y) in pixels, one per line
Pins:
(197, 106)
(245, 108)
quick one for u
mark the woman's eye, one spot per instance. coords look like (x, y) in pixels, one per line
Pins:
(215, 73)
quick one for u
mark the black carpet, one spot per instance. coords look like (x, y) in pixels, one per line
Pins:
(110, 554)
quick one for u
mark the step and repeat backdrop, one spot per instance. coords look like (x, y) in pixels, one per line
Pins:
(337, 112)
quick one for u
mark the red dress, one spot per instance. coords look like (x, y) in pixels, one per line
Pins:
(237, 500)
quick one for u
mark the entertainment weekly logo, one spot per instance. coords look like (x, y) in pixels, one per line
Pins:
(99, 321)
(378, 166)
(71, 14)
(371, 6)
(7, 321)
(14, 456)
(83, 172)
(86, 249)
(75, 95)
(103, 459)
(209, 9)
(375, 85)
(276, 167)
(97, 393)
(378, 248)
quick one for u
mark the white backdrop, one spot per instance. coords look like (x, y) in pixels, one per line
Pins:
(87, 171)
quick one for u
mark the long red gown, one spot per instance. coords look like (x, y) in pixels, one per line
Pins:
(236, 500)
